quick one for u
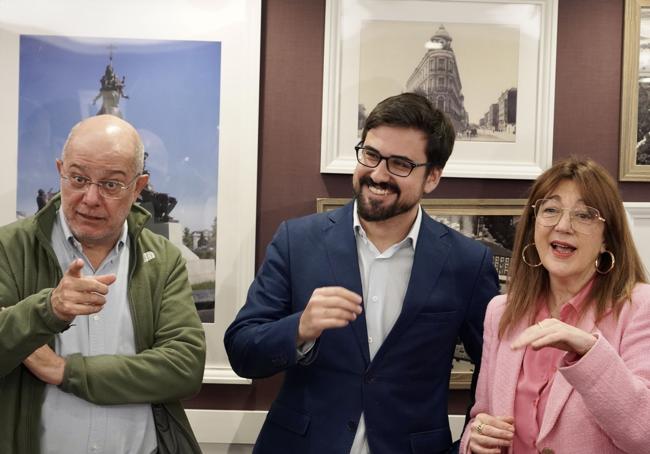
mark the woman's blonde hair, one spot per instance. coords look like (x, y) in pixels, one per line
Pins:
(527, 284)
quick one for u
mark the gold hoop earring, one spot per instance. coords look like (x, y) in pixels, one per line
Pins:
(523, 256)
(612, 260)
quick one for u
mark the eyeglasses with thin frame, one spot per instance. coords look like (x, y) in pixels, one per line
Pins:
(398, 166)
(583, 219)
(110, 189)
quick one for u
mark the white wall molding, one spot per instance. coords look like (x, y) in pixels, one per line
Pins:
(226, 426)
(640, 220)
(223, 376)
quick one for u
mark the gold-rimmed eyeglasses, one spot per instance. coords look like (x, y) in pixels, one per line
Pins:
(110, 189)
(583, 219)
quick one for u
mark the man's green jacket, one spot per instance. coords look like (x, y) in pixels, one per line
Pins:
(169, 337)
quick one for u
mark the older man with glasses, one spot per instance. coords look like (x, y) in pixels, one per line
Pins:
(361, 307)
(99, 337)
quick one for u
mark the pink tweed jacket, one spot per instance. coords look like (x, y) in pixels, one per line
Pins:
(599, 404)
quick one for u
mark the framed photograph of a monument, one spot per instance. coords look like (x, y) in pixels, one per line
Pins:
(635, 100)
(187, 79)
(488, 64)
(489, 221)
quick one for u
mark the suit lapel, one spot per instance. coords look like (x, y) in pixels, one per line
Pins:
(557, 398)
(431, 253)
(341, 248)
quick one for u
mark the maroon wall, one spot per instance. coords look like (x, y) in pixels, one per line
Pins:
(587, 112)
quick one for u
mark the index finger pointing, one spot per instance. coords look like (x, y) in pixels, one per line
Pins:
(75, 267)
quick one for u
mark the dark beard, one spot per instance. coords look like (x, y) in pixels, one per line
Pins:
(373, 211)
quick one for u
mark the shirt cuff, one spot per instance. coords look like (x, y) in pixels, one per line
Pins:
(303, 350)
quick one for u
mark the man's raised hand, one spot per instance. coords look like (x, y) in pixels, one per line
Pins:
(328, 307)
(79, 295)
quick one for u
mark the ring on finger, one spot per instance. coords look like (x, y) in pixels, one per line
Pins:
(479, 428)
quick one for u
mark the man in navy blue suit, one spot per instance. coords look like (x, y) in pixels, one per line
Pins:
(361, 306)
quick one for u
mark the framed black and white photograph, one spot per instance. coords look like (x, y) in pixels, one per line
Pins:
(489, 65)
(481, 101)
(635, 100)
(492, 222)
(187, 78)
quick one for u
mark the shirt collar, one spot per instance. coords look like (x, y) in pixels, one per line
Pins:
(570, 310)
(579, 298)
(69, 236)
(412, 235)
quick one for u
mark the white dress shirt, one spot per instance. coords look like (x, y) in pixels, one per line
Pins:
(384, 279)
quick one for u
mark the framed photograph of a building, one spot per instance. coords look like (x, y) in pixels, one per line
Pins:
(635, 100)
(187, 78)
(489, 65)
(489, 221)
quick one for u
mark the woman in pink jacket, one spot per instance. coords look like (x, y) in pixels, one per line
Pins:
(565, 366)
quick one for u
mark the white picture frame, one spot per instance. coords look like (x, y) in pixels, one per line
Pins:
(536, 20)
(234, 23)
(639, 219)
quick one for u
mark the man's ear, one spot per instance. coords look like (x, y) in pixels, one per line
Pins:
(433, 179)
(140, 183)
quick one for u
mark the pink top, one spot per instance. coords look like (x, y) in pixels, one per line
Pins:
(536, 377)
(588, 406)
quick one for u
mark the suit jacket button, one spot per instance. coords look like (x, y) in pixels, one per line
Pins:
(369, 378)
(548, 451)
(352, 426)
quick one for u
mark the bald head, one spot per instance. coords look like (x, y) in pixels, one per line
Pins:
(120, 136)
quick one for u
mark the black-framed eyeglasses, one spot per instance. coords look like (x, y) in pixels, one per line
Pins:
(584, 219)
(110, 189)
(398, 166)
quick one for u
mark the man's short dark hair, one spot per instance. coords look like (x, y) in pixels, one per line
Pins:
(411, 110)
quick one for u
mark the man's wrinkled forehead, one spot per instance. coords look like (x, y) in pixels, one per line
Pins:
(99, 156)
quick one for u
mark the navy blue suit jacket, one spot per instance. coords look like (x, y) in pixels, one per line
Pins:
(403, 390)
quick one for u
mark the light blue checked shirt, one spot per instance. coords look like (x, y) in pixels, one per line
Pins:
(70, 425)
